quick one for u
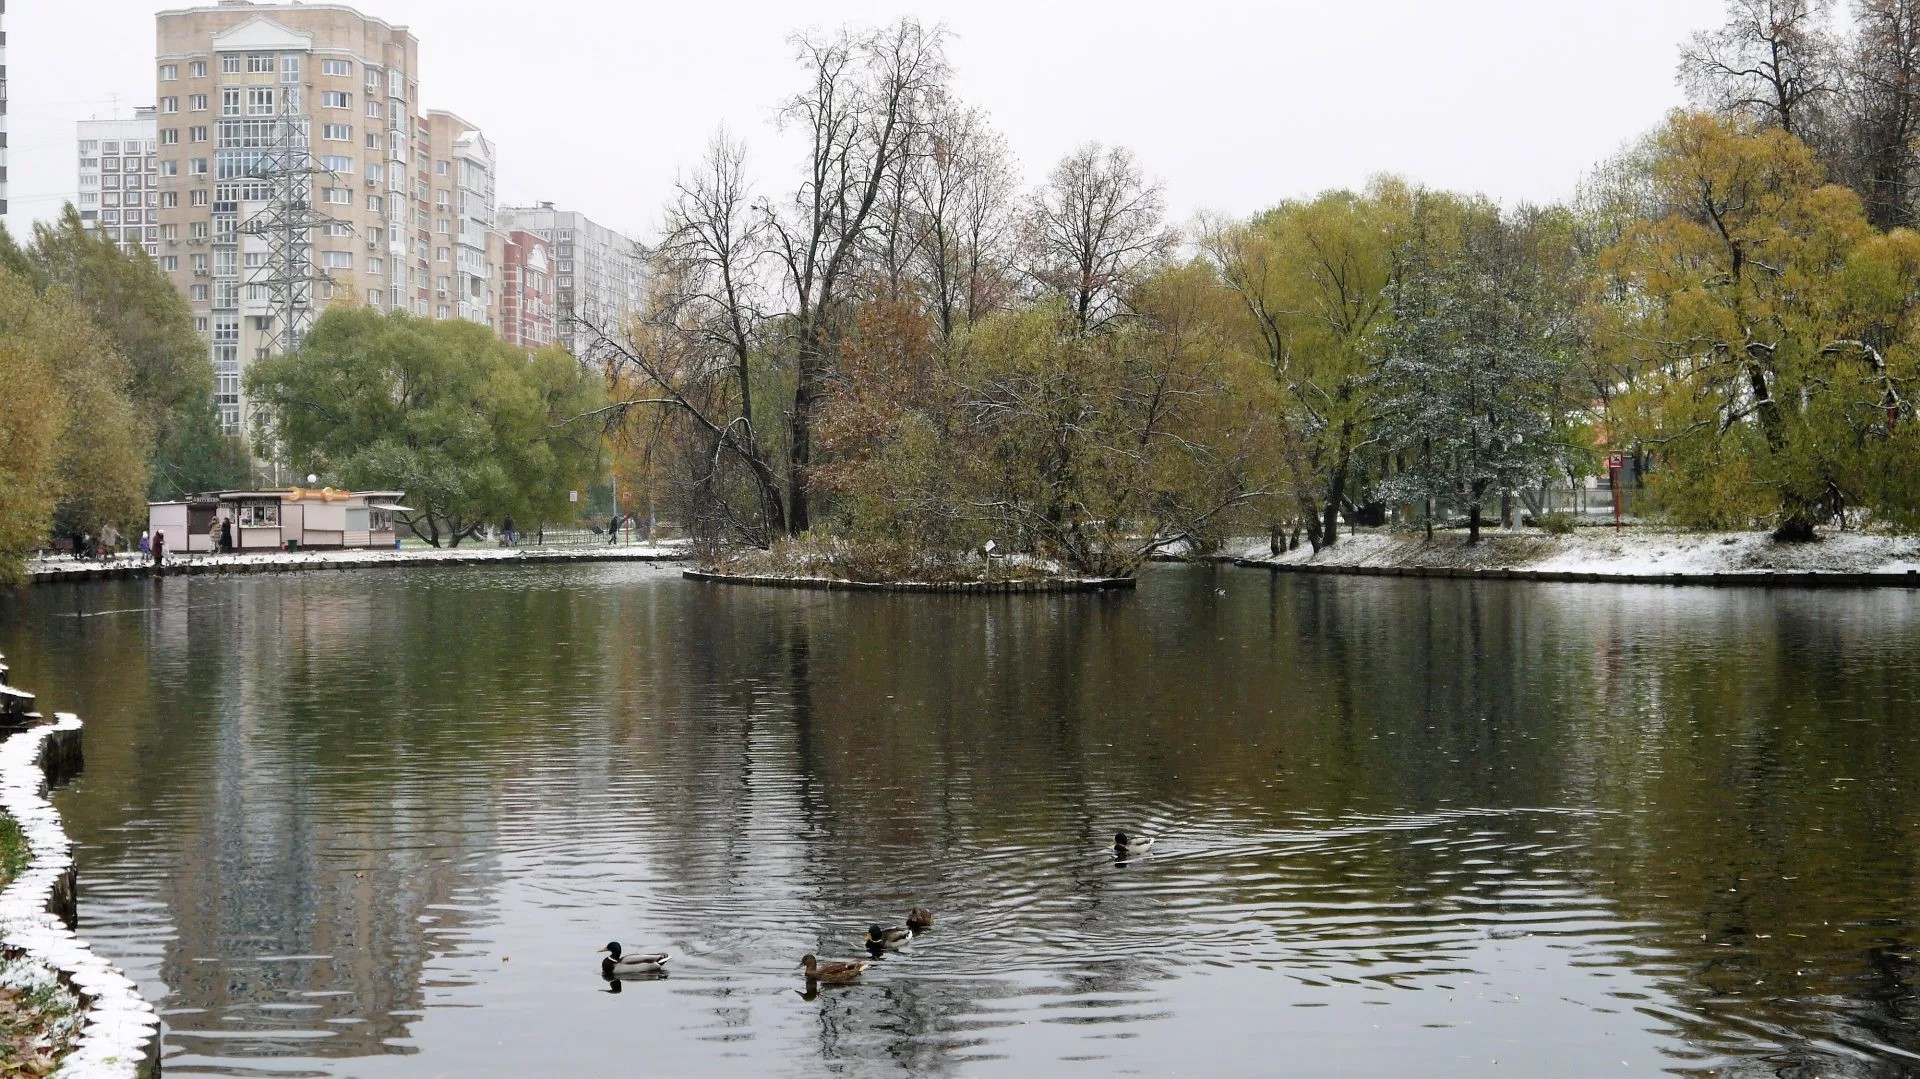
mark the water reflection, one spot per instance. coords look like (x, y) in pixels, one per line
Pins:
(377, 823)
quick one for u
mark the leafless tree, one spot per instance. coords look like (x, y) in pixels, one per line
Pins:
(1093, 228)
(1883, 108)
(963, 198)
(1775, 60)
(865, 107)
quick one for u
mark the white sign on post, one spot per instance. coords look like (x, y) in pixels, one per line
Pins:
(573, 496)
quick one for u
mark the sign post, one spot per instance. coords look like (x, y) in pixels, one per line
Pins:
(1615, 461)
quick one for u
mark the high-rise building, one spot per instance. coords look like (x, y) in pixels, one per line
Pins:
(290, 158)
(525, 313)
(599, 276)
(462, 214)
(3, 108)
(120, 180)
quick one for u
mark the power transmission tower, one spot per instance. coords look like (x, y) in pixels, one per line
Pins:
(286, 222)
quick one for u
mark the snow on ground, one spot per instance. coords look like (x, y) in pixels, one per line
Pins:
(641, 552)
(1627, 552)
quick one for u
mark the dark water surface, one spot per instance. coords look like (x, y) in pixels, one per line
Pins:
(376, 823)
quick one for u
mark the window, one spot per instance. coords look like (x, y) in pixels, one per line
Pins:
(200, 324)
(336, 164)
(197, 230)
(170, 136)
(197, 134)
(170, 232)
(230, 65)
(169, 104)
(337, 67)
(197, 69)
(259, 101)
(373, 140)
(169, 200)
(169, 263)
(336, 99)
(197, 102)
(259, 514)
(336, 228)
(290, 67)
(230, 101)
(199, 196)
(169, 167)
(376, 266)
(337, 260)
(199, 264)
(373, 109)
(373, 78)
(375, 203)
(336, 132)
(260, 63)
(440, 168)
(375, 172)
(338, 195)
(132, 199)
(440, 255)
(169, 72)
(198, 293)
(197, 167)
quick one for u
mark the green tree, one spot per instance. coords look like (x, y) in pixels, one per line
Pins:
(471, 428)
(1763, 388)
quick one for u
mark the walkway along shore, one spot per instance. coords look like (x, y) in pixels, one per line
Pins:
(120, 1033)
(43, 571)
(1602, 556)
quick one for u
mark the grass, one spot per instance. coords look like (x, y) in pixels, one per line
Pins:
(40, 1019)
(14, 855)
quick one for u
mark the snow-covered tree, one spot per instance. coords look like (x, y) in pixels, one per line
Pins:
(1470, 365)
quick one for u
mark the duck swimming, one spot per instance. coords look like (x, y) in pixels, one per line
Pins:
(919, 919)
(631, 963)
(1126, 844)
(890, 936)
(832, 972)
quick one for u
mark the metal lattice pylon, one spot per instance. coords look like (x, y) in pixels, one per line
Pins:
(287, 222)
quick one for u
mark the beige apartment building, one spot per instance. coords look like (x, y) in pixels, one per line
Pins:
(295, 171)
(462, 215)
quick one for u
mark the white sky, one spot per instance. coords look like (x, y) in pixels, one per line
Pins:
(594, 104)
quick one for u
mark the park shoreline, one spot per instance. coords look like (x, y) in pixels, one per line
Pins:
(1032, 586)
(132, 566)
(1606, 556)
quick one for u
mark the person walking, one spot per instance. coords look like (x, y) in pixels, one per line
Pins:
(613, 530)
(159, 549)
(506, 529)
(226, 535)
(213, 536)
(146, 546)
(110, 540)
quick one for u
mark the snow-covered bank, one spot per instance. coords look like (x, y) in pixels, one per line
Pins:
(68, 569)
(1630, 554)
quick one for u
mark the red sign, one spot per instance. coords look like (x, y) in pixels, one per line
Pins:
(1616, 460)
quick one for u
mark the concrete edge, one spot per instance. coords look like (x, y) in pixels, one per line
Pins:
(1764, 579)
(293, 563)
(829, 584)
(120, 1034)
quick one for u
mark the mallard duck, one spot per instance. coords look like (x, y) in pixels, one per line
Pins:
(919, 919)
(634, 963)
(833, 972)
(1126, 844)
(888, 936)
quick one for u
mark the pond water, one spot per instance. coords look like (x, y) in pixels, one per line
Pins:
(378, 823)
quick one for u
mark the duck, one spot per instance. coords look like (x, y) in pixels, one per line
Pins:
(833, 972)
(1126, 844)
(631, 963)
(890, 936)
(919, 919)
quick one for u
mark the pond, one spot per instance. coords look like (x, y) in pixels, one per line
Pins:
(378, 823)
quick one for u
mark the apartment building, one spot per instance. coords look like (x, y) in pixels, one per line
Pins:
(120, 180)
(525, 312)
(290, 155)
(599, 276)
(462, 213)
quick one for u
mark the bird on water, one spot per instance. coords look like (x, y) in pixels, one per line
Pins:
(631, 962)
(832, 972)
(1126, 844)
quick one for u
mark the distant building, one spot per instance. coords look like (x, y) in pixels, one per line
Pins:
(599, 276)
(120, 181)
(462, 215)
(525, 313)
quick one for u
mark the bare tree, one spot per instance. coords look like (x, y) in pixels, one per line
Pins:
(1774, 60)
(962, 196)
(1883, 106)
(865, 106)
(1093, 228)
(692, 353)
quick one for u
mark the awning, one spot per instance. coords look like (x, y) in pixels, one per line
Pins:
(389, 506)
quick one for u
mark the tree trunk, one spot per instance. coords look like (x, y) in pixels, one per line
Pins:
(800, 433)
(1274, 546)
(1473, 521)
(1330, 526)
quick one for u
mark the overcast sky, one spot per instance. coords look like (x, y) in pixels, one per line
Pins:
(594, 104)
